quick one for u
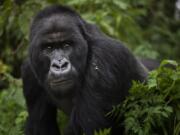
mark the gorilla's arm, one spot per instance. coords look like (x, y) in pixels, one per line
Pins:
(42, 115)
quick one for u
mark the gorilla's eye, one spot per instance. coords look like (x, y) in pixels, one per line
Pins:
(49, 47)
(66, 46)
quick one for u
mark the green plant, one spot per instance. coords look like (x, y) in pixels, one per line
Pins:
(103, 132)
(153, 108)
(12, 107)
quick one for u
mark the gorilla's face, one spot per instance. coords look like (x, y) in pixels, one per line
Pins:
(58, 53)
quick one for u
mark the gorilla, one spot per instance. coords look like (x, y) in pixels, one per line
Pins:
(74, 67)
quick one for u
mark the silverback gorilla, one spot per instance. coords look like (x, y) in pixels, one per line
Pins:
(73, 66)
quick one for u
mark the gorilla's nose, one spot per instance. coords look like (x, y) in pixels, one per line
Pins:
(60, 67)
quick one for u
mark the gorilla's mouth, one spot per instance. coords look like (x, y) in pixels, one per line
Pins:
(60, 82)
(61, 85)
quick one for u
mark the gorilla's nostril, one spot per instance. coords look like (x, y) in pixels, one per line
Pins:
(64, 65)
(56, 66)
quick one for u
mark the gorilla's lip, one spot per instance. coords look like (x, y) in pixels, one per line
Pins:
(59, 82)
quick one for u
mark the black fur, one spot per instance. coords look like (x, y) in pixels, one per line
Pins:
(150, 64)
(105, 71)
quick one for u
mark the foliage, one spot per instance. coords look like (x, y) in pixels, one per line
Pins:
(103, 132)
(153, 108)
(12, 110)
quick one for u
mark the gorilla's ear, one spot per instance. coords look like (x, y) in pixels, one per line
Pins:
(89, 31)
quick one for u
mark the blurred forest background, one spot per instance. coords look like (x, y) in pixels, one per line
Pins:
(150, 29)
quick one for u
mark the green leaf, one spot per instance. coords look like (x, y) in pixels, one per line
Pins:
(166, 62)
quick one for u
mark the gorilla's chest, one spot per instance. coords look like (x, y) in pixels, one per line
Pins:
(65, 104)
